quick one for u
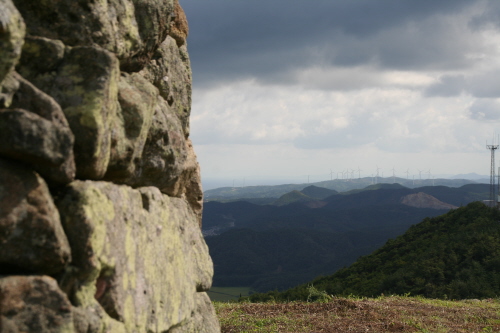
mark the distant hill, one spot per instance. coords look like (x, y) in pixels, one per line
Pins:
(471, 176)
(317, 192)
(354, 224)
(424, 200)
(292, 197)
(456, 255)
(312, 195)
(339, 185)
(219, 217)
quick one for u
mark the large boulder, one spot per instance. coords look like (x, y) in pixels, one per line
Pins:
(27, 136)
(131, 29)
(34, 130)
(31, 236)
(85, 84)
(139, 253)
(34, 304)
(86, 87)
(149, 146)
(12, 30)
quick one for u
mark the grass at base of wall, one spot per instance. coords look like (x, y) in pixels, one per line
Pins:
(227, 294)
(383, 314)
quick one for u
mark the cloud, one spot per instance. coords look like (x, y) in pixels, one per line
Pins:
(392, 119)
(486, 109)
(266, 40)
(305, 83)
(448, 85)
(479, 85)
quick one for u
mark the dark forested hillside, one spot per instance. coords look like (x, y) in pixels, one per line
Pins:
(281, 253)
(270, 247)
(456, 255)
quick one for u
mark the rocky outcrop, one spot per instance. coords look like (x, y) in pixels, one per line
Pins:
(31, 236)
(100, 191)
(424, 200)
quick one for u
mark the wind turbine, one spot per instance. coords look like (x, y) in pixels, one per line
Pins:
(420, 174)
(359, 172)
(376, 178)
(393, 174)
(407, 173)
(331, 174)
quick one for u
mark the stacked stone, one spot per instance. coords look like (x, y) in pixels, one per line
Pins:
(100, 195)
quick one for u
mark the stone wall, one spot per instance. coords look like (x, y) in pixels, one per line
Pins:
(100, 192)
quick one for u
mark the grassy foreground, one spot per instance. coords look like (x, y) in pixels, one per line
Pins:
(383, 314)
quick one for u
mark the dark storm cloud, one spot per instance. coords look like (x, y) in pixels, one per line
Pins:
(481, 85)
(448, 85)
(269, 39)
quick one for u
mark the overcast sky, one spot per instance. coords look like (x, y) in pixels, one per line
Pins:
(288, 89)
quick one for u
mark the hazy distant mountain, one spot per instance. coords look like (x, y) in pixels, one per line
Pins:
(471, 176)
(339, 185)
(219, 217)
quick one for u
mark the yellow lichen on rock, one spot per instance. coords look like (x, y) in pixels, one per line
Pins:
(12, 31)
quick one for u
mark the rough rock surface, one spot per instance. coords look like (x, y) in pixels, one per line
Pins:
(32, 239)
(131, 29)
(99, 91)
(179, 26)
(12, 30)
(170, 72)
(26, 96)
(155, 287)
(34, 304)
(199, 321)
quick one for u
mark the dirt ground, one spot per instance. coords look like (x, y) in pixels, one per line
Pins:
(384, 314)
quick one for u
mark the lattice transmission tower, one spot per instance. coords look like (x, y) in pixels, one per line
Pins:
(492, 148)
